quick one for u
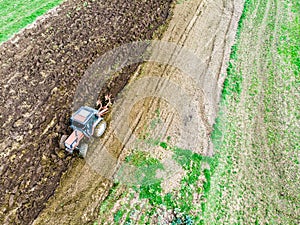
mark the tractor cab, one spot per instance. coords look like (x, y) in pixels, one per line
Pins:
(84, 120)
(83, 123)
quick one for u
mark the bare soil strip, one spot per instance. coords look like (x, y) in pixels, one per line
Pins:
(40, 69)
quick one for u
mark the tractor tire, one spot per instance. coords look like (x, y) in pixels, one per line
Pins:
(62, 141)
(83, 148)
(100, 128)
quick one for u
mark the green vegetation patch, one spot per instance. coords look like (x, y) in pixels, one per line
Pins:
(289, 40)
(15, 15)
(181, 203)
(145, 167)
(118, 215)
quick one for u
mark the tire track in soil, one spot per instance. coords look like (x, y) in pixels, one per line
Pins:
(40, 69)
(214, 48)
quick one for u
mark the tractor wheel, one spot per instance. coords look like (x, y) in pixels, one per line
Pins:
(100, 128)
(62, 141)
(83, 148)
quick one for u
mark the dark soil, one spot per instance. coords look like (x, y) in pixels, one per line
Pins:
(39, 75)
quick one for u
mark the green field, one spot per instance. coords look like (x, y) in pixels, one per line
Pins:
(15, 15)
(256, 137)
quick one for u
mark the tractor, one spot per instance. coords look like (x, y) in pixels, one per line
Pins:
(85, 122)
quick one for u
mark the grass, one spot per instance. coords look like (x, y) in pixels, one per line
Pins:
(146, 168)
(257, 171)
(234, 79)
(150, 187)
(118, 215)
(15, 15)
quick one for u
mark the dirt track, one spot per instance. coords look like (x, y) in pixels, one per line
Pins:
(39, 71)
(207, 28)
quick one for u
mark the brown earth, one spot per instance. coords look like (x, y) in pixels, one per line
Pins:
(40, 69)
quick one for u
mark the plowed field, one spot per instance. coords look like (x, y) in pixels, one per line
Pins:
(40, 69)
